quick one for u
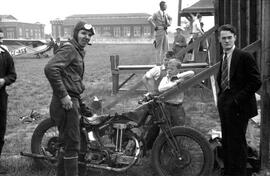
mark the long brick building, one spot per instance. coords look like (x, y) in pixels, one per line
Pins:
(13, 29)
(116, 26)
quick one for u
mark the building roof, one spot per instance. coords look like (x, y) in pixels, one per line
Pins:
(204, 7)
(109, 19)
(16, 23)
(7, 18)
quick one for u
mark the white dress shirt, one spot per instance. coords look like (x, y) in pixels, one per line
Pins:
(229, 58)
(166, 84)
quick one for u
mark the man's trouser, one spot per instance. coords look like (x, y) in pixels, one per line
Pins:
(68, 122)
(162, 45)
(3, 118)
(176, 114)
(233, 127)
(177, 117)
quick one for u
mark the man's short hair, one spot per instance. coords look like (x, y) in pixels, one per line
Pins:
(170, 54)
(199, 16)
(177, 62)
(162, 2)
(227, 27)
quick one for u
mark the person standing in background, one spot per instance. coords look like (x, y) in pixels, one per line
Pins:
(161, 21)
(179, 42)
(196, 32)
(7, 77)
(56, 45)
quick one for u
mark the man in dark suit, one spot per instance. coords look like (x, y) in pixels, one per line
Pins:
(7, 76)
(238, 80)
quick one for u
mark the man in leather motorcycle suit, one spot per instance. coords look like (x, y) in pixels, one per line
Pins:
(65, 74)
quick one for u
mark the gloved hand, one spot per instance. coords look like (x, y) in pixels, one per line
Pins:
(85, 111)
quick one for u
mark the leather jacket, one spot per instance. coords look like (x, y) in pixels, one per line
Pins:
(65, 70)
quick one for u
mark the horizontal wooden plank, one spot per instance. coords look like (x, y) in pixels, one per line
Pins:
(147, 67)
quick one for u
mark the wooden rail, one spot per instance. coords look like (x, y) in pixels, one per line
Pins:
(206, 73)
(117, 69)
(201, 76)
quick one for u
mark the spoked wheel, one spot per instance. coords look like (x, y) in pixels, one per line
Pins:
(195, 159)
(130, 151)
(45, 142)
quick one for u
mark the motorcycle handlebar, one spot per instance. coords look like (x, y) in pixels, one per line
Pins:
(147, 97)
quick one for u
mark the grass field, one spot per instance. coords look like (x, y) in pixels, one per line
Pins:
(32, 92)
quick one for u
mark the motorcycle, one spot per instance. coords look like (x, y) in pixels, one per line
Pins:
(117, 142)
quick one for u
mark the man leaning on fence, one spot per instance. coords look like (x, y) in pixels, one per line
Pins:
(161, 21)
(152, 77)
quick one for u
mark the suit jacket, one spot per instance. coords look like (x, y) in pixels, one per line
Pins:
(158, 20)
(244, 81)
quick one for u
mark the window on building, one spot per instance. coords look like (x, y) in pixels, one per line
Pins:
(67, 32)
(36, 34)
(54, 31)
(146, 31)
(106, 28)
(20, 32)
(126, 31)
(97, 30)
(31, 33)
(39, 33)
(10, 34)
(116, 31)
(106, 31)
(137, 31)
(59, 31)
(27, 33)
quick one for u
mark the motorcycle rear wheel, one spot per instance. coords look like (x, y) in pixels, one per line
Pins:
(44, 142)
(197, 155)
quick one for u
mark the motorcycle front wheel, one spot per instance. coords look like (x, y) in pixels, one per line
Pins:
(45, 142)
(196, 158)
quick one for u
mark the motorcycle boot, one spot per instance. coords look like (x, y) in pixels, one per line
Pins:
(82, 170)
(60, 171)
(82, 165)
(71, 166)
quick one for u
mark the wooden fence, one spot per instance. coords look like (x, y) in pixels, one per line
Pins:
(117, 69)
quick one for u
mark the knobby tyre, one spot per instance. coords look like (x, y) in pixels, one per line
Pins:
(197, 155)
(44, 142)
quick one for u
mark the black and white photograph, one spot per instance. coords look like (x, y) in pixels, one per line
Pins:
(135, 88)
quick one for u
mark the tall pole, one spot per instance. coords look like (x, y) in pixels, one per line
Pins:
(179, 10)
(265, 69)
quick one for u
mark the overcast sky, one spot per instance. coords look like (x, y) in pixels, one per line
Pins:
(43, 11)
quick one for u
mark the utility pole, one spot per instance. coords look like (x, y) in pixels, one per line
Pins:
(179, 10)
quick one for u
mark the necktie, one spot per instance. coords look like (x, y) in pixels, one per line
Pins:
(165, 19)
(224, 74)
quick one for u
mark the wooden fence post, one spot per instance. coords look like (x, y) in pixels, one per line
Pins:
(115, 73)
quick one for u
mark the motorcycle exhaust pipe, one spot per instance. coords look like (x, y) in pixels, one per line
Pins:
(105, 167)
(38, 156)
